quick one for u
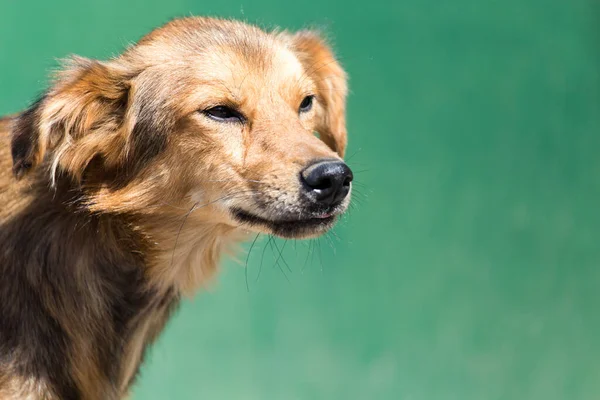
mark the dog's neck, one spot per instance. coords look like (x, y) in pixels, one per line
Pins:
(184, 256)
(182, 247)
(187, 251)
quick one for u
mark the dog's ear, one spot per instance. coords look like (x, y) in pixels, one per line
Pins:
(25, 141)
(320, 63)
(86, 103)
(82, 117)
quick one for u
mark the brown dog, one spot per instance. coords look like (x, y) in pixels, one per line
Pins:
(131, 177)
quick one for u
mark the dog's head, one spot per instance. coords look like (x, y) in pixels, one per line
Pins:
(200, 114)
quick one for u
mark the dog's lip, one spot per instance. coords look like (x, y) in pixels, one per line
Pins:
(323, 215)
(312, 221)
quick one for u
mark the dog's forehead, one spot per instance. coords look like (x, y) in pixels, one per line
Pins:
(270, 64)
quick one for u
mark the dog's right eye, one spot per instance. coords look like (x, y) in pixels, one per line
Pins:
(224, 114)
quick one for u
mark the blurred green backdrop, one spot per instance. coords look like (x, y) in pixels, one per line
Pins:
(469, 268)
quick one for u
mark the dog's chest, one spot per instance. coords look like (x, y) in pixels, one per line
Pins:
(141, 331)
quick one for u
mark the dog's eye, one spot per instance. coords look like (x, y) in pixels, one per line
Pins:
(224, 114)
(306, 104)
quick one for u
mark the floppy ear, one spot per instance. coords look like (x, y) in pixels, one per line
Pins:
(321, 65)
(80, 118)
(86, 103)
(24, 144)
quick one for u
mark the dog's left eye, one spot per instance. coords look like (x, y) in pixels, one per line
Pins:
(224, 114)
(306, 104)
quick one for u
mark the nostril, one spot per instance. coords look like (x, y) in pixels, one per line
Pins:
(347, 182)
(322, 184)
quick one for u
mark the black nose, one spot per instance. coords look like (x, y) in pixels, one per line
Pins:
(327, 182)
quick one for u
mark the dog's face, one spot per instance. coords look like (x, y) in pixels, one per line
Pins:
(201, 114)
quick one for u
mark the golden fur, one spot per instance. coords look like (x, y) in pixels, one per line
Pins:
(121, 193)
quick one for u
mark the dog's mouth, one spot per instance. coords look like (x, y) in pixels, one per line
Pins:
(289, 228)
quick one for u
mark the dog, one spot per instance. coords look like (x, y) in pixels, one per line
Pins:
(125, 183)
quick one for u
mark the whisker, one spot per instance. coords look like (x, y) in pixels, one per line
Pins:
(242, 82)
(358, 196)
(353, 207)
(336, 235)
(307, 255)
(320, 255)
(360, 184)
(229, 90)
(312, 256)
(279, 265)
(353, 154)
(281, 254)
(262, 257)
(330, 242)
(247, 259)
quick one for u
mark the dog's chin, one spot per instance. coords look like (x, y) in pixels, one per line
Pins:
(286, 228)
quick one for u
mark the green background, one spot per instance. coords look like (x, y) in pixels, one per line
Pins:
(468, 268)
